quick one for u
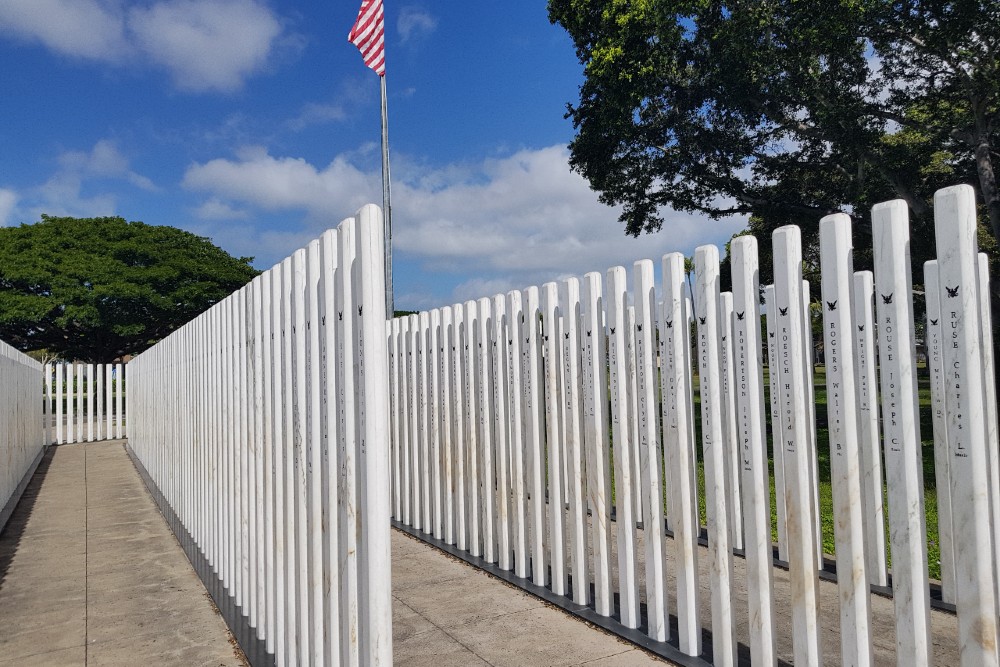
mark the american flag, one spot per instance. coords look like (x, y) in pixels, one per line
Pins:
(368, 34)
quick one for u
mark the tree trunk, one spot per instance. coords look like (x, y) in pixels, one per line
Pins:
(988, 186)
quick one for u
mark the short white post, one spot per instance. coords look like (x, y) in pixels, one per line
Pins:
(975, 590)
(751, 454)
(845, 456)
(793, 393)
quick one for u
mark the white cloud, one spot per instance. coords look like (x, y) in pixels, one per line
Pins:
(316, 114)
(203, 44)
(272, 183)
(82, 186)
(414, 23)
(90, 29)
(103, 161)
(206, 45)
(215, 209)
(8, 200)
(482, 229)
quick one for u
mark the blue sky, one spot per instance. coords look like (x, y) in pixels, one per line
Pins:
(257, 124)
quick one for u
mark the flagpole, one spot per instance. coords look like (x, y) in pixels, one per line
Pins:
(386, 205)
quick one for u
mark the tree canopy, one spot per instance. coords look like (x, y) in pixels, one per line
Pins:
(784, 110)
(94, 289)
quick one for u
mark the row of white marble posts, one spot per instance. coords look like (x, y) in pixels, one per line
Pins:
(22, 434)
(87, 401)
(546, 384)
(265, 424)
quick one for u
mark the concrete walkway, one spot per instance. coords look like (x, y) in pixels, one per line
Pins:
(446, 612)
(90, 574)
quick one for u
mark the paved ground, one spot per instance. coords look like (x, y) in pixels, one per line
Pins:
(90, 574)
(446, 612)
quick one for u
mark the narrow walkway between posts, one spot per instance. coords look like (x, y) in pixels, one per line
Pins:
(90, 574)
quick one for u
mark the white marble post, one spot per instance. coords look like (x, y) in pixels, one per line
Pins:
(458, 381)
(633, 423)
(532, 365)
(347, 446)
(595, 434)
(810, 374)
(845, 456)
(424, 367)
(751, 454)
(553, 437)
(734, 505)
(80, 388)
(615, 306)
(61, 400)
(793, 394)
(678, 450)
(990, 398)
(472, 417)
(934, 340)
(417, 481)
(515, 393)
(975, 589)
(99, 402)
(706, 259)
(869, 435)
(446, 350)
(901, 426)
(650, 462)
(484, 384)
(433, 357)
(572, 414)
(498, 358)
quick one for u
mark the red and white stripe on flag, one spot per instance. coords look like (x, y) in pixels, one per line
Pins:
(368, 34)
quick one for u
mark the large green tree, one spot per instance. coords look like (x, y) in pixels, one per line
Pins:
(95, 289)
(784, 110)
